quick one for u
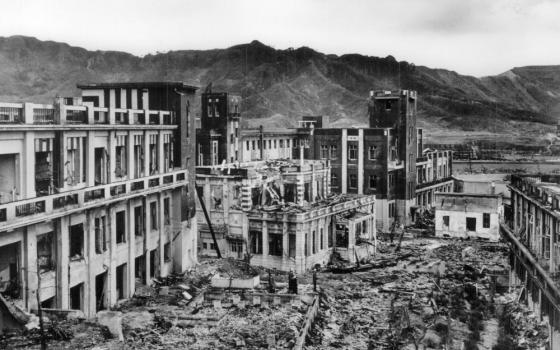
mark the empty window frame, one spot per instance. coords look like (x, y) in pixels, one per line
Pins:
(352, 152)
(486, 220)
(471, 224)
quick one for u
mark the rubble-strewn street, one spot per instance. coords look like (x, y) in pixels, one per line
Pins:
(439, 294)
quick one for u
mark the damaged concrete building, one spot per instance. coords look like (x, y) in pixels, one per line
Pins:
(386, 159)
(468, 215)
(534, 237)
(94, 195)
(283, 214)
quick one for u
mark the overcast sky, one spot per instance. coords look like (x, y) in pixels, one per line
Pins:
(476, 37)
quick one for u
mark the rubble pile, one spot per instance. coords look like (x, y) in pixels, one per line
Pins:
(434, 294)
(520, 328)
(68, 334)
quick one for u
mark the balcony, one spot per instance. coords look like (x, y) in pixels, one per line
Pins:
(11, 113)
(76, 115)
(26, 212)
(44, 114)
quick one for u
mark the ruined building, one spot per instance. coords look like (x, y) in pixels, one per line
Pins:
(94, 194)
(534, 237)
(222, 139)
(386, 160)
(283, 214)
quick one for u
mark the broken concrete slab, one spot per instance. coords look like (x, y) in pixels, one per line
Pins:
(113, 321)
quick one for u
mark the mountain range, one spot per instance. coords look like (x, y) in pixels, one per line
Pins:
(279, 86)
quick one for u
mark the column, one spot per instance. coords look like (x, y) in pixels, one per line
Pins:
(300, 187)
(112, 271)
(264, 236)
(146, 153)
(62, 262)
(162, 239)
(27, 169)
(112, 145)
(360, 161)
(130, 155)
(89, 242)
(90, 159)
(344, 159)
(160, 153)
(131, 249)
(29, 254)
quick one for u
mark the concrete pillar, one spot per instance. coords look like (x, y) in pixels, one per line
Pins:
(360, 161)
(160, 153)
(112, 146)
(146, 154)
(27, 167)
(130, 155)
(131, 238)
(264, 236)
(133, 99)
(62, 262)
(89, 242)
(344, 159)
(112, 272)
(29, 254)
(90, 159)
(300, 188)
(111, 105)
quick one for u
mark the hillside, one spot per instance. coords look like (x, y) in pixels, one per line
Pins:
(281, 85)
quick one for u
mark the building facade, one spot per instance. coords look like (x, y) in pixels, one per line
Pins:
(434, 171)
(283, 214)
(468, 215)
(94, 194)
(385, 160)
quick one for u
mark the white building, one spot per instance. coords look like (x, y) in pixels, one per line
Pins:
(94, 194)
(463, 215)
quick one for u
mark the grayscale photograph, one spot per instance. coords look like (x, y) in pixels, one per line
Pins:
(280, 174)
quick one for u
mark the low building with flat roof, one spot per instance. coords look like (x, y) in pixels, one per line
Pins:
(468, 215)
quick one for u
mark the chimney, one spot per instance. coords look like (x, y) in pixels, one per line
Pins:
(492, 188)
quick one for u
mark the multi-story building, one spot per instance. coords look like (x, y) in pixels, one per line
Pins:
(385, 160)
(222, 140)
(94, 194)
(434, 171)
(534, 236)
(283, 214)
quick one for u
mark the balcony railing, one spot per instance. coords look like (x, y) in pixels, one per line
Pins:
(24, 212)
(76, 116)
(11, 114)
(43, 115)
(77, 113)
